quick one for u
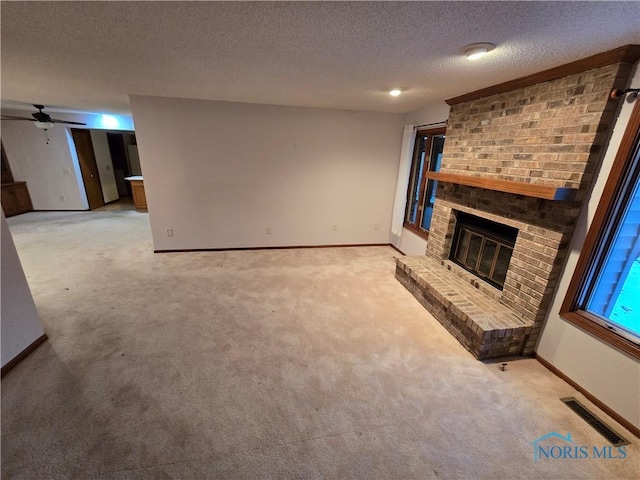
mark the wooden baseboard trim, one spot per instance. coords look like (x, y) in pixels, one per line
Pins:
(397, 249)
(23, 354)
(58, 211)
(616, 416)
(286, 247)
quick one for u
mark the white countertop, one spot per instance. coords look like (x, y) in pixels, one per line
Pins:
(135, 177)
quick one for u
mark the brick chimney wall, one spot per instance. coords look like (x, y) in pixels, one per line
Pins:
(551, 133)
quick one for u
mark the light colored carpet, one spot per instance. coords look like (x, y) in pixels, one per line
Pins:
(302, 363)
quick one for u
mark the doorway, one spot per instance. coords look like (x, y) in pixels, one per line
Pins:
(123, 149)
(88, 167)
(106, 158)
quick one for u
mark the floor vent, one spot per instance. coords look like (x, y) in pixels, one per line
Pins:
(601, 427)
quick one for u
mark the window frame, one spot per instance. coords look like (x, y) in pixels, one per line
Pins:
(595, 243)
(416, 228)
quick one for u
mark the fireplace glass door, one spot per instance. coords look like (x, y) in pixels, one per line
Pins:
(484, 252)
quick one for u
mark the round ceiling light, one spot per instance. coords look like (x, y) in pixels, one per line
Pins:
(477, 50)
(43, 125)
(395, 92)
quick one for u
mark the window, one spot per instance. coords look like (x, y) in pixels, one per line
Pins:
(421, 194)
(604, 293)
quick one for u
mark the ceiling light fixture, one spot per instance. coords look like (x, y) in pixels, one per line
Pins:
(477, 50)
(395, 92)
(43, 125)
(109, 121)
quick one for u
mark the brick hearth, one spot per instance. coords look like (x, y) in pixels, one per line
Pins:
(484, 326)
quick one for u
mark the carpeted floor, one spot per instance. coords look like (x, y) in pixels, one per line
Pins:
(273, 364)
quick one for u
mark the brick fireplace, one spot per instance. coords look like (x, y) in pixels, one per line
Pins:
(523, 155)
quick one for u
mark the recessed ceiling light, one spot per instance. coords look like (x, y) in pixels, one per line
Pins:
(109, 121)
(477, 50)
(395, 92)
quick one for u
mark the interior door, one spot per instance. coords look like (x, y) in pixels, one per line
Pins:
(88, 167)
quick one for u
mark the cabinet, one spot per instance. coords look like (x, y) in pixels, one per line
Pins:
(15, 198)
(137, 189)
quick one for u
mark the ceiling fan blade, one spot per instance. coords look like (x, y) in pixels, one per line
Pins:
(55, 120)
(11, 117)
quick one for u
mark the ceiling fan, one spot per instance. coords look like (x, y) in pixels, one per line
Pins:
(42, 120)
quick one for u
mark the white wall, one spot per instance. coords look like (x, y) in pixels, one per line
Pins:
(105, 166)
(53, 177)
(51, 170)
(134, 159)
(20, 323)
(220, 173)
(430, 114)
(610, 375)
(409, 243)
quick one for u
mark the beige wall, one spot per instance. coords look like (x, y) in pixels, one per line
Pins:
(429, 114)
(50, 168)
(608, 374)
(219, 174)
(20, 321)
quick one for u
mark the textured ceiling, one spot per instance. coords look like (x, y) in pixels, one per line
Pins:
(89, 56)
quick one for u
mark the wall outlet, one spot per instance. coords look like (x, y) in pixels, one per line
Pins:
(376, 227)
(169, 232)
(267, 230)
(66, 171)
(62, 198)
(334, 228)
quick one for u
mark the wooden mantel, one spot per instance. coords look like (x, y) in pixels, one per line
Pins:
(518, 188)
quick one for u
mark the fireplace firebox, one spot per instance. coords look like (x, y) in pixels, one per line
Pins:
(483, 247)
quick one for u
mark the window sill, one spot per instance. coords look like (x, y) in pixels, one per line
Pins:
(582, 321)
(419, 232)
